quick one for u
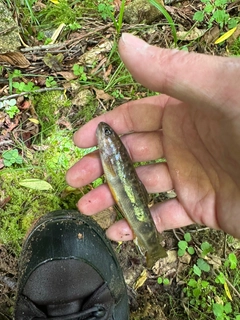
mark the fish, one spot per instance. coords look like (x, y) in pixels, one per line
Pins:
(129, 193)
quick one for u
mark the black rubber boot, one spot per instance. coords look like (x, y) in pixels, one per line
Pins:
(68, 270)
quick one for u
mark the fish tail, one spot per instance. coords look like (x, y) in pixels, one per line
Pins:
(154, 255)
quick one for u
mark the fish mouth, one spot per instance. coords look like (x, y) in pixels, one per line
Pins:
(99, 131)
(101, 134)
(103, 130)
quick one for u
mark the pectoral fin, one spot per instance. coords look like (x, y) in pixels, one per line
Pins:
(141, 248)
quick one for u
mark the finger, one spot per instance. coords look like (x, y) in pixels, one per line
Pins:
(85, 171)
(166, 215)
(189, 77)
(141, 146)
(155, 177)
(145, 146)
(125, 119)
(96, 200)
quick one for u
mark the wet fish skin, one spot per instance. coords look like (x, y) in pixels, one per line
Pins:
(128, 192)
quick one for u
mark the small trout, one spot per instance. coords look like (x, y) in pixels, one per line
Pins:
(129, 192)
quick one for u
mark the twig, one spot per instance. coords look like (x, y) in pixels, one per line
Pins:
(5, 142)
(8, 30)
(234, 289)
(229, 283)
(200, 229)
(11, 283)
(16, 95)
(64, 44)
(224, 245)
(177, 237)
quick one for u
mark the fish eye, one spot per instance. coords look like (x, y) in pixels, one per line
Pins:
(107, 131)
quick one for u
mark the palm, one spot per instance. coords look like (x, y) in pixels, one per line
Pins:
(193, 142)
(200, 138)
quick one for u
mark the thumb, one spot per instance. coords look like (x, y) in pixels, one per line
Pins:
(189, 77)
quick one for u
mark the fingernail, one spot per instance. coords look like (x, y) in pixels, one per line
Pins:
(134, 42)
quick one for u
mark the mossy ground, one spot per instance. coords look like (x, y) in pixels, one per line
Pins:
(50, 150)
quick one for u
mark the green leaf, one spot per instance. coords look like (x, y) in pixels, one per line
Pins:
(232, 23)
(169, 19)
(159, 280)
(220, 16)
(182, 245)
(7, 163)
(192, 283)
(181, 252)
(19, 160)
(233, 260)
(198, 16)
(196, 270)
(206, 248)
(191, 250)
(10, 157)
(196, 292)
(9, 154)
(166, 281)
(203, 265)
(209, 8)
(220, 278)
(35, 184)
(217, 309)
(187, 237)
(204, 284)
(227, 308)
(220, 3)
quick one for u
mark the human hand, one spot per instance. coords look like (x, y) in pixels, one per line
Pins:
(194, 124)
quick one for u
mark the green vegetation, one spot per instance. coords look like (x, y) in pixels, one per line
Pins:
(106, 10)
(11, 157)
(215, 12)
(209, 283)
(183, 245)
(59, 93)
(168, 18)
(50, 166)
(164, 281)
(10, 107)
(235, 47)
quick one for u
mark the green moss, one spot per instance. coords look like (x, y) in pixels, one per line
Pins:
(47, 107)
(86, 106)
(62, 12)
(26, 205)
(234, 48)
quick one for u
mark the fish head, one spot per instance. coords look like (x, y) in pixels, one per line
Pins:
(108, 141)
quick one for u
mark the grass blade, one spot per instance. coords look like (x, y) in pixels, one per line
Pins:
(168, 17)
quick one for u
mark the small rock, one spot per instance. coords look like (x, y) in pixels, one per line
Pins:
(9, 38)
(82, 98)
(141, 11)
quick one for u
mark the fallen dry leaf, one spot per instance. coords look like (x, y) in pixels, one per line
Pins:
(94, 54)
(82, 98)
(141, 280)
(15, 59)
(65, 123)
(40, 148)
(162, 266)
(211, 35)
(105, 218)
(191, 35)
(68, 75)
(101, 95)
(4, 201)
